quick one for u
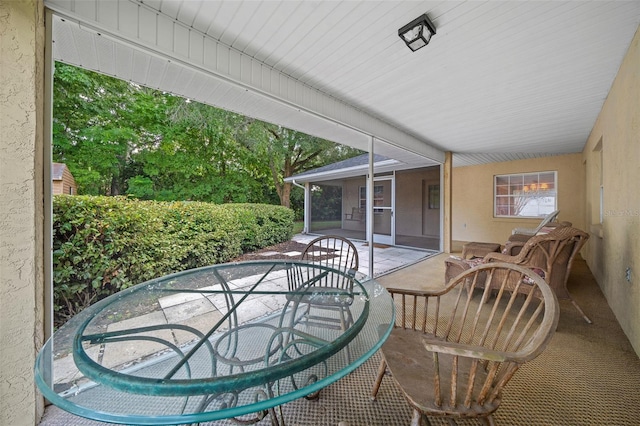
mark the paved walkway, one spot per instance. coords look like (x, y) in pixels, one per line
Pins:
(385, 258)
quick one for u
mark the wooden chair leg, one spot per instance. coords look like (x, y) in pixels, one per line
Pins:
(376, 386)
(489, 420)
(419, 419)
(415, 420)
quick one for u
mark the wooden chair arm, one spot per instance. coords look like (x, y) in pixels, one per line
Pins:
(410, 292)
(478, 352)
(424, 293)
(468, 351)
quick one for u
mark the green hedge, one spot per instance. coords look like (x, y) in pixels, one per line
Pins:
(104, 244)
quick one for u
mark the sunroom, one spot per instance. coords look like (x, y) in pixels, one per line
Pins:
(406, 201)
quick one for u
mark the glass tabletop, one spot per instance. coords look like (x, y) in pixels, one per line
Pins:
(212, 343)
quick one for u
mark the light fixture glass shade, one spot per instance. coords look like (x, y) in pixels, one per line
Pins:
(412, 34)
(417, 44)
(417, 33)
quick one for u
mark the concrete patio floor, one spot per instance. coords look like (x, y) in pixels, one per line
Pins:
(587, 376)
(386, 259)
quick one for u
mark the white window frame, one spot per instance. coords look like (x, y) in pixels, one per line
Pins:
(518, 187)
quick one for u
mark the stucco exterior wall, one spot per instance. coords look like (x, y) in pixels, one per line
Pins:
(612, 153)
(413, 215)
(21, 210)
(472, 188)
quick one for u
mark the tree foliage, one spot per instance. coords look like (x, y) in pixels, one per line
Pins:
(199, 159)
(119, 138)
(287, 153)
(98, 123)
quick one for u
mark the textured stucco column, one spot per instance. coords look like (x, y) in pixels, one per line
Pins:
(21, 208)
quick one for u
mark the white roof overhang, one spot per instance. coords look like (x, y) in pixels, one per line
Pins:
(385, 166)
(499, 81)
(124, 42)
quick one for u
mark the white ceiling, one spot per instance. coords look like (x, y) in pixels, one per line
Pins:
(500, 80)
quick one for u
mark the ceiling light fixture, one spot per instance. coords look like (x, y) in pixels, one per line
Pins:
(417, 33)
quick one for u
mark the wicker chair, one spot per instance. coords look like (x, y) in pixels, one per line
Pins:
(451, 354)
(516, 241)
(325, 291)
(550, 255)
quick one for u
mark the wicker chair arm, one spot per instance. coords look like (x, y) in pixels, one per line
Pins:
(456, 261)
(499, 257)
(454, 266)
(513, 247)
(517, 258)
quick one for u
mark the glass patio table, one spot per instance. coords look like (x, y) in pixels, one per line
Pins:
(232, 340)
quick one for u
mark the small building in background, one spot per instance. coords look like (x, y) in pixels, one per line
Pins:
(62, 180)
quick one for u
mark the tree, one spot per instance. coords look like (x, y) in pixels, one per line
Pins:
(97, 124)
(199, 159)
(117, 137)
(288, 152)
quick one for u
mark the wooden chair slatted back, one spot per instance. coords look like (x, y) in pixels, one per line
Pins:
(333, 252)
(513, 327)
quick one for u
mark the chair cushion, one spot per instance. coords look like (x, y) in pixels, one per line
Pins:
(537, 271)
(545, 230)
